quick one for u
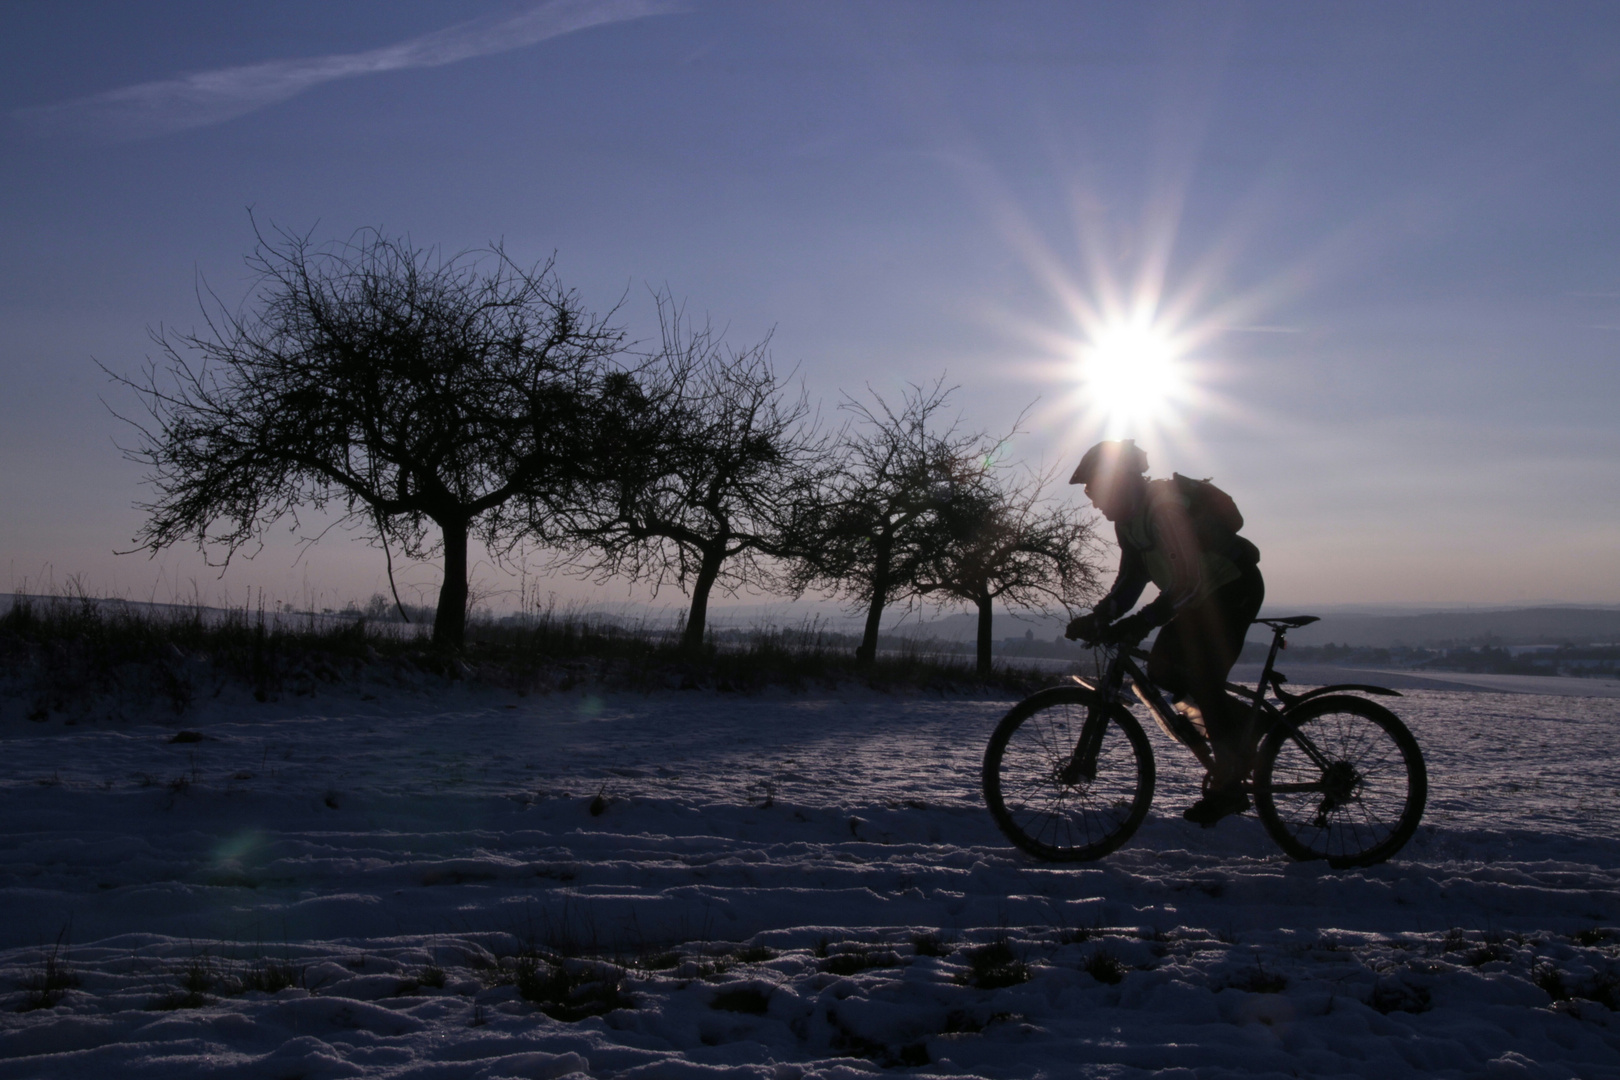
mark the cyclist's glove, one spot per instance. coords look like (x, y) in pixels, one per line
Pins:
(1085, 628)
(1131, 629)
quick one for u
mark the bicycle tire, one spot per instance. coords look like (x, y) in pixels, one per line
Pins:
(1031, 804)
(1359, 810)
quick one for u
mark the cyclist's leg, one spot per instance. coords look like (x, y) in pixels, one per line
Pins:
(1192, 658)
(1233, 608)
(1168, 666)
(1181, 661)
(1195, 651)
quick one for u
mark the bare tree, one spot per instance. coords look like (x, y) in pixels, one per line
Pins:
(1001, 540)
(416, 395)
(711, 456)
(867, 535)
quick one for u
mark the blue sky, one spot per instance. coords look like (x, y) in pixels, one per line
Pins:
(1382, 237)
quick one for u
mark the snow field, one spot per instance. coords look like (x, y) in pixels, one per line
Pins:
(774, 886)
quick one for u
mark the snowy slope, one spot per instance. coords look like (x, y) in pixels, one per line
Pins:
(778, 886)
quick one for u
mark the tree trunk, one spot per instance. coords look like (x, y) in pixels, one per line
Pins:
(874, 611)
(697, 620)
(450, 621)
(984, 636)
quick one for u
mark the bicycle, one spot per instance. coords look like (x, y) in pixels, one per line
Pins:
(1069, 773)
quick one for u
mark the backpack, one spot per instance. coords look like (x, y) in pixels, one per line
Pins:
(1211, 513)
(1214, 515)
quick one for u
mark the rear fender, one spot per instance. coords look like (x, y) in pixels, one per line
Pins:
(1339, 688)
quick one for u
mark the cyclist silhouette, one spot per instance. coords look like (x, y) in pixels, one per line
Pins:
(1180, 534)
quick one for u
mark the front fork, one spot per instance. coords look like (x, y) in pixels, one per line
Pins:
(1082, 763)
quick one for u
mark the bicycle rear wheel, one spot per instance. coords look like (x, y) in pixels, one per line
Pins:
(1058, 819)
(1340, 778)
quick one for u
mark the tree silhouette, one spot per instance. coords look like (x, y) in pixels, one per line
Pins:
(711, 456)
(423, 398)
(1000, 539)
(867, 535)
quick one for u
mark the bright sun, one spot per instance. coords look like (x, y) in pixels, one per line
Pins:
(1130, 373)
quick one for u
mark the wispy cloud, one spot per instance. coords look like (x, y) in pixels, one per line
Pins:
(210, 97)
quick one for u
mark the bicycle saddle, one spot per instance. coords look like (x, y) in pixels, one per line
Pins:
(1291, 622)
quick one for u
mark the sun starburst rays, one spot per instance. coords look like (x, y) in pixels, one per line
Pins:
(1133, 354)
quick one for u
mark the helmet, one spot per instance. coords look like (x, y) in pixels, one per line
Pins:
(1108, 460)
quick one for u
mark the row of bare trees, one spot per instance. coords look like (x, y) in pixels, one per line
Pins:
(429, 401)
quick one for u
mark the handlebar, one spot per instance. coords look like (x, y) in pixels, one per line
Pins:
(1131, 648)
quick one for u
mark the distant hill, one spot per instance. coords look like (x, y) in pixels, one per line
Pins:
(1506, 626)
(1550, 625)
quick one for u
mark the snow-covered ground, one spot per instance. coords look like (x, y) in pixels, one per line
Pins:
(779, 886)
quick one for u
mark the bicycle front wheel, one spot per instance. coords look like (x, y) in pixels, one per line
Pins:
(1341, 779)
(1035, 800)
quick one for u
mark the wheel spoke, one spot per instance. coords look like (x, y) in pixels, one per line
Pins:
(1296, 789)
(1024, 766)
(1343, 781)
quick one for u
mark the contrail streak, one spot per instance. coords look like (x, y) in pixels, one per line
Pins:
(211, 97)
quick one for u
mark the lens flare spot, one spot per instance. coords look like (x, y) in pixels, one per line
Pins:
(235, 849)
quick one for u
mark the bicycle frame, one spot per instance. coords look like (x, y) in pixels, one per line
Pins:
(1177, 725)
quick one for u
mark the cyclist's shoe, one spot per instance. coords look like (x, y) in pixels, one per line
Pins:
(1215, 805)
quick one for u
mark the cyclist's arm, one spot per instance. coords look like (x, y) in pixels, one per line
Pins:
(1128, 584)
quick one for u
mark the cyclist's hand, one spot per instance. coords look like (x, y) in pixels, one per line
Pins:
(1086, 628)
(1129, 630)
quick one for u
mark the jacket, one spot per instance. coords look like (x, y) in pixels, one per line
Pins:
(1174, 542)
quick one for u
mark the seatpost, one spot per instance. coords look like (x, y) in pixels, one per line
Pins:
(1277, 633)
